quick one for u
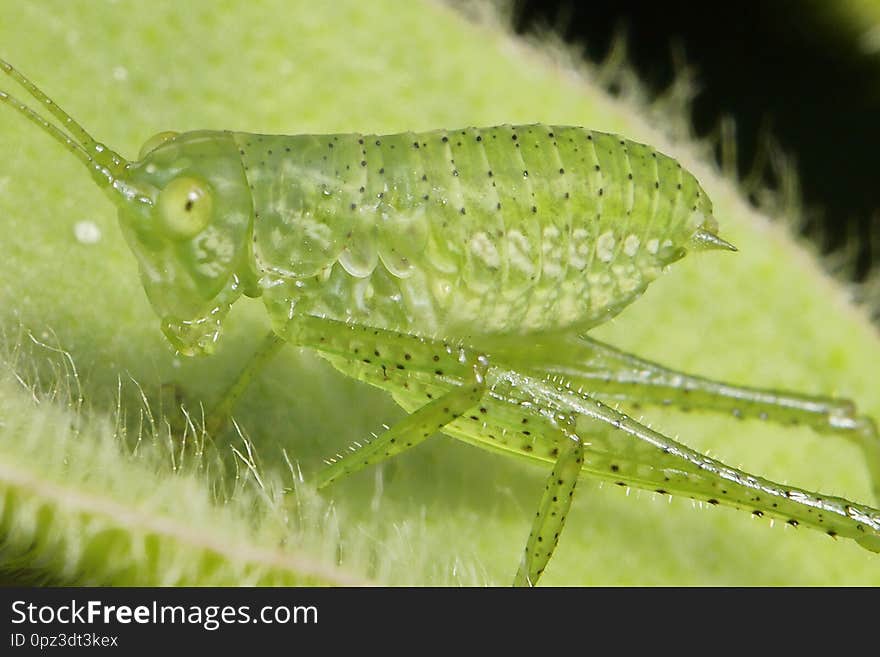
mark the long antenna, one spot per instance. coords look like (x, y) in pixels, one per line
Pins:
(104, 163)
(42, 123)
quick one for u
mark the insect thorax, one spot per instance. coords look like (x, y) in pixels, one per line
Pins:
(504, 229)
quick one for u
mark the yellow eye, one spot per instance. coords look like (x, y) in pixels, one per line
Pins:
(155, 141)
(185, 207)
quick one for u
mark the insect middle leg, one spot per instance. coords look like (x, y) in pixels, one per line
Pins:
(383, 357)
(553, 509)
(617, 375)
(396, 362)
(412, 430)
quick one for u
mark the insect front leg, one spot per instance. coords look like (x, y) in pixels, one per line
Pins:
(219, 415)
(553, 509)
(614, 374)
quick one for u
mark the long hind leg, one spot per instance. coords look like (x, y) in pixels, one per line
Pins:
(658, 462)
(614, 374)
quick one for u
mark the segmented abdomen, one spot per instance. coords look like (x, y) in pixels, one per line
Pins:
(510, 228)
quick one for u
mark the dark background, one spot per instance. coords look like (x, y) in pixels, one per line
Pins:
(788, 68)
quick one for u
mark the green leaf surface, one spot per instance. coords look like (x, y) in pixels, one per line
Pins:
(79, 504)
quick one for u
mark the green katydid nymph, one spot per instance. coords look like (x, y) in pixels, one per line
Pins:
(461, 271)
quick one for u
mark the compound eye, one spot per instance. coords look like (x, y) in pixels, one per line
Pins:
(155, 141)
(185, 207)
